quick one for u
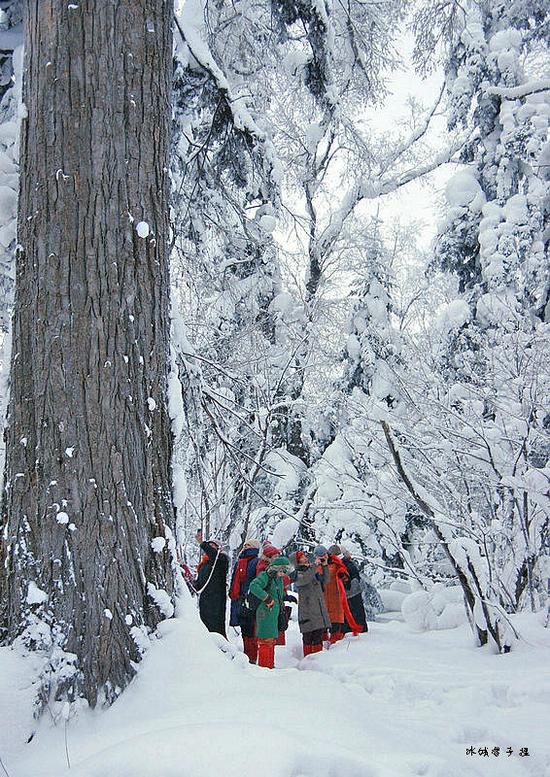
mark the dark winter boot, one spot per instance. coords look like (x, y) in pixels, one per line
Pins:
(336, 636)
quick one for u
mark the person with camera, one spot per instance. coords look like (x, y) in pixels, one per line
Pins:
(268, 552)
(268, 589)
(313, 619)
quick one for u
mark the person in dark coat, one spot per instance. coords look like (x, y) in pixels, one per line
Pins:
(353, 593)
(210, 584)
(313, 618)
(243, 573)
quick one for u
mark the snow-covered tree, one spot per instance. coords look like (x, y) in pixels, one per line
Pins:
(267, 116)
(351, 501)
(495, 237)
(226, 269)
(483, 417)
(496, 242)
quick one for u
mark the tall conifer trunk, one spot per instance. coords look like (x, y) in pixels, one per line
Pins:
(88, 479)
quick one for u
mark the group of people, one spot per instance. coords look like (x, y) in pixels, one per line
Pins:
(325, 584)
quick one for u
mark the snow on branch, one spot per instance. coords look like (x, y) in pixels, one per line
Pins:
(419, 131)
(445, 156)
(423, 505)
(189, 28)
(368, 189)
(465, 557)
(515, 92)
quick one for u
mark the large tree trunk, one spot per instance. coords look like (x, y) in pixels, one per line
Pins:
(88, 479)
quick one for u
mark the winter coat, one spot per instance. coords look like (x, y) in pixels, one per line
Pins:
(335, 607)
(269, 585)
(353, 585)
(353, 593)
(357, 612)
(212, 598)
(243, 573)
(312, 611)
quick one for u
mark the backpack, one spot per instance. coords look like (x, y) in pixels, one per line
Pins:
(247, 606)
(249, 603)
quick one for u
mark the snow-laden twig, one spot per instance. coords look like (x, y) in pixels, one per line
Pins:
(419, 131)
(67, 746)
(465, 569)
(370, 189)
(4, 768)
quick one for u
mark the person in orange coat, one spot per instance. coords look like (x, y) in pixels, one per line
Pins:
(333, 597)
(338, 578)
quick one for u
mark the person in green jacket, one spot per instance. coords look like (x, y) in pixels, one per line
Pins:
(268, 587)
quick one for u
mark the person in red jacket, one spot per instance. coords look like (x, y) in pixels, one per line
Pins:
(243, 574)
(353, 594)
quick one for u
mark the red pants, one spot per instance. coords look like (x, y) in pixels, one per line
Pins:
(309, 649)
(312, 641)
(266, 653)
(250, 648)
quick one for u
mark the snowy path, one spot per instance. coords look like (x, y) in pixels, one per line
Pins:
(388, 704)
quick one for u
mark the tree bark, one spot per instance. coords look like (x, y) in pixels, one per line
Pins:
(88, 478)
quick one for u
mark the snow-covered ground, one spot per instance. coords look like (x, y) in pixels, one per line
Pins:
(392, 703)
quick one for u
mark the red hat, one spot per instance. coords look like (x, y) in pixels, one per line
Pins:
(300, 557)
(270, 550)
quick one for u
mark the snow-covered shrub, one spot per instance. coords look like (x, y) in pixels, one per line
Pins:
(401, 585)
(392, 600)
(440, 608)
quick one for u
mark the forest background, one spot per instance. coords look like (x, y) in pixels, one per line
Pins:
(342, 353)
